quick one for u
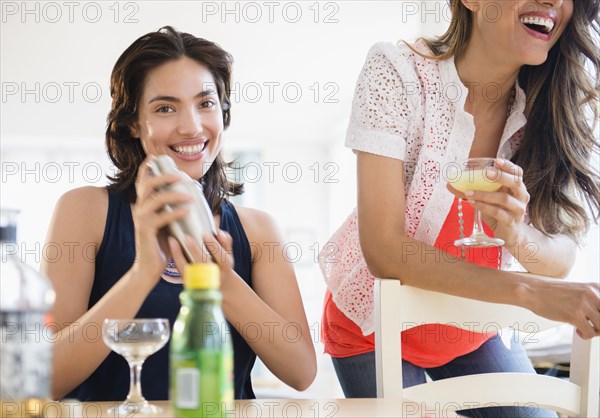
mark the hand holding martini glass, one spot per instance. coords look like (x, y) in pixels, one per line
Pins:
(472, 176)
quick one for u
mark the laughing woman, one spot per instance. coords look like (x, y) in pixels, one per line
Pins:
(170, 95)
(516, 90)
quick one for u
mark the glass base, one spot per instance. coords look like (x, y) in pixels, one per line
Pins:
(126, 409)
(479, 240)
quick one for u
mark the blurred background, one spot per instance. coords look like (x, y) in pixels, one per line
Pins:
(296, 65)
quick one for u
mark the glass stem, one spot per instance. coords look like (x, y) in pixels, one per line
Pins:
(135, 384)
(477, 225)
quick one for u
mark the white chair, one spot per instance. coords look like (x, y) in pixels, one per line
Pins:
(399, 307)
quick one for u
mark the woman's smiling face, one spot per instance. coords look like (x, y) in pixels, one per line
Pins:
(522, 31)
(180, 115)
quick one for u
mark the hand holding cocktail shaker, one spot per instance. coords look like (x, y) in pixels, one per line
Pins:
(200, 219)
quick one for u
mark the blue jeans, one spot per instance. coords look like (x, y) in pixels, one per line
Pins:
(357, 375)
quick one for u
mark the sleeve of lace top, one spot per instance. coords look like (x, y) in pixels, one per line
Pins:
(382, 109)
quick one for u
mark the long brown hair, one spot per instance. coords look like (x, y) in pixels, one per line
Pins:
(558, 141)
(126, 85)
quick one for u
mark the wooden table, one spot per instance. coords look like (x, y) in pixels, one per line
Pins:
(263, 408)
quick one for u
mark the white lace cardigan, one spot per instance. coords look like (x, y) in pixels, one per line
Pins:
(409, 108)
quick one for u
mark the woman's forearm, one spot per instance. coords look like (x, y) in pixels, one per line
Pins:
(420, 265)
(393, 255)
(78, 347)
(541, 254)
(285, 347)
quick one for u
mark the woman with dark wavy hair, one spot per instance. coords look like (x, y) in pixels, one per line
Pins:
(170, 95)
(507, 81)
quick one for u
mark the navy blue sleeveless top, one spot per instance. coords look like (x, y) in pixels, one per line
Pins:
(110, 381)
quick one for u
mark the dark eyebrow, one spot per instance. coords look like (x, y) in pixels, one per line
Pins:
(204, 93)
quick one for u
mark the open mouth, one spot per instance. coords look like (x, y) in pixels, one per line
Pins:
(189, 149)
(538, 24)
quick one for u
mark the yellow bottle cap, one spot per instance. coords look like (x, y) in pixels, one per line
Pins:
(202, 276)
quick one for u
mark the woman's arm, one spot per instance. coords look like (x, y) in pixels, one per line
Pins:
(279, 334)
(77, 229)
(78, 223)
(277, 305)
(390, 254)
(541, 254)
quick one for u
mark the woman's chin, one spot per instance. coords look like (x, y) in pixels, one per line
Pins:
(195, 174)
(536, 59)
(194, 169)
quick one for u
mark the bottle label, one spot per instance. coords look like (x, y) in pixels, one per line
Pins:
(25, 356)
(188, 387)
(203, 382)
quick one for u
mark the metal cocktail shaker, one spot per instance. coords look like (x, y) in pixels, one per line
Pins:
(200, 219)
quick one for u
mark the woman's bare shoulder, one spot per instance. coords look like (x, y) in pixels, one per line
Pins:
(258, 225)
(83, 209)
(90, 200)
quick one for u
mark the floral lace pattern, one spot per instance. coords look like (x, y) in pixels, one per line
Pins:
(409, 108)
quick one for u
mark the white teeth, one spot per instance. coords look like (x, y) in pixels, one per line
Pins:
(548, 24)
(189, 149)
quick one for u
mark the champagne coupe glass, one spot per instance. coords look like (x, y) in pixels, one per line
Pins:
(135, 339)
(471, 176)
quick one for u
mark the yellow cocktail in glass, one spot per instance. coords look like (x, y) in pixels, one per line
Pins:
(472, 176)
(475, 180)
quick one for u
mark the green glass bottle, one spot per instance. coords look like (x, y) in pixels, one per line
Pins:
(201, 352)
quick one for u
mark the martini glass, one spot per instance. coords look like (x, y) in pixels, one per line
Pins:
(472, 176)
(135, 339)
